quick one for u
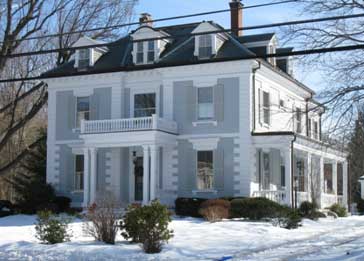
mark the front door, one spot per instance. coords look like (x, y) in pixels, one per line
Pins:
(138, 175)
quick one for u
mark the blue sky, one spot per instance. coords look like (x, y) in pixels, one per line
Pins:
(254, 16)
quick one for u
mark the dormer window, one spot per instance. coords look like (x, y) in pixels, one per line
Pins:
(205, 46)
(145, 52)
(83, 58)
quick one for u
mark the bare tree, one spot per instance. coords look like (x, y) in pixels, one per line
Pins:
(342, 72)
(21, 103)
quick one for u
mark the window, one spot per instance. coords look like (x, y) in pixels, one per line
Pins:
(151, 52)
(79, 165)
(265, 171)
(205, 46)
(144, 105)
(140, 52)
(300, 175)
(309, 128)
(83, 110)
(205, 103)
(283, 173)
(266, 107)
(281, 103)
(315, 130)
(205, 170)
(83, 58)
(298, 120)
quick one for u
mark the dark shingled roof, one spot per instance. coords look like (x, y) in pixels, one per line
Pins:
(256, 38)
(180, 50)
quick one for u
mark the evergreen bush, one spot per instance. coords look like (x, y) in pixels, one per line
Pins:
(52, 229)
(188, 206)
(291, 219)
(338, 209)
(256, 208)
(147, 225)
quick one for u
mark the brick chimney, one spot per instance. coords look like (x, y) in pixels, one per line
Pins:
(146, 19)
(236, 13)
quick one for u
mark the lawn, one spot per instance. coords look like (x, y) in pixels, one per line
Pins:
(195, 239)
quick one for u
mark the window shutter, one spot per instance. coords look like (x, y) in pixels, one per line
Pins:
(189, 172)
(127, 113)
(94, 103)
(191, 103)
(219, 169)
(260, 106)
(71, 111)
(219, 102)
(161, 101)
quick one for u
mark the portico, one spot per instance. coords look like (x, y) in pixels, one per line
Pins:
(149, 134)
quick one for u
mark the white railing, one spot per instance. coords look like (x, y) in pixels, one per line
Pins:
(132, 124)
(328, 199)
(278, 196)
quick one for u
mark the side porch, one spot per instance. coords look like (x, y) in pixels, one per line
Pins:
(290, 169)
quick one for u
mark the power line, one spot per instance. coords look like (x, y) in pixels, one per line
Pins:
(111, 27)
(296, 22)
(153, 66)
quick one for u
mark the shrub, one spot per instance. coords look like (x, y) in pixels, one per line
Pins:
(307, 208)
(290, 220)
(103, 219)
(63, 203)
(47, 206)
(51, 229)
(338, 209)
(188, 206)
(6, 208)
(360, 206)
(147, 225)
(256, 208)
(215, 209)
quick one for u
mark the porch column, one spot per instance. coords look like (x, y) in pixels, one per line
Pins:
(86, 178)
(288, 175)
(93, 152)
(145, 175)
(153, 170)
(334, 178)
(345, 184)
(322, 182)
(309, 176)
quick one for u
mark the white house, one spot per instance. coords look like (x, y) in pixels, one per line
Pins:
(188, 115)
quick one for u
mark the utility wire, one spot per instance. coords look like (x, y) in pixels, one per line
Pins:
(111, 27)
(153, 66)
(56, 50)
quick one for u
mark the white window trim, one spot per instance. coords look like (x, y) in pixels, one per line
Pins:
(150, 89)
(77, 129)
(157, 45)
(205, 121)
(91, 60)
(211, 190)
(203, 144)
(261, 107)
(75, 173)
(213, 45)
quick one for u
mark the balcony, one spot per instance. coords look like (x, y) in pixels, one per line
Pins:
(153, 123)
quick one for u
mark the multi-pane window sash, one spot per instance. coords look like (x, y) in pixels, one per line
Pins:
(151, 51)
(144, 105)
(205, 46)
(205, 103)
(79, 172)
(205, 170)
(298, 120)
(266, 107)
(140, 52)
(83, 58)
(83, 110)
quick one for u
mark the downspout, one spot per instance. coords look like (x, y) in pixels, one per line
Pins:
(254, 70)
(292, 171)
(307, 131)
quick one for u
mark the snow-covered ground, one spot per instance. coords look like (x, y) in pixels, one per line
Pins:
(327, 239)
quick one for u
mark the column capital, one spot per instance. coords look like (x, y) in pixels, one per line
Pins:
(93, 149)
(154, 147)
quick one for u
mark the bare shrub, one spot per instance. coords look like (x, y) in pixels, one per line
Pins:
(103, 216)
(215, 209)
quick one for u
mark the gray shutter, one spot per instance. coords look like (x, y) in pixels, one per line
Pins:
(70, 176)
(71, 108)
(190, 166)
(161, 97)
(94, 104)
(219, 102)
(191, 103)
(218, 158)
(127, 113)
